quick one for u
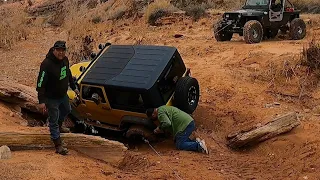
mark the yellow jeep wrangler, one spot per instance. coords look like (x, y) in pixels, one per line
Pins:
(122, 81)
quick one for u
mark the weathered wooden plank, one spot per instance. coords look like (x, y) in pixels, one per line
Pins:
(93, 146)
(276, 127)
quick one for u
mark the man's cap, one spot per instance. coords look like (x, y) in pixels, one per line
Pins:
(60, 44)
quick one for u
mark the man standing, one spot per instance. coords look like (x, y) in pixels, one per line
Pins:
(180, 125)
(52, 87)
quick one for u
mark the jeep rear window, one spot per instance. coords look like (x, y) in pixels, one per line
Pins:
(168, 83)
(257, 2)
(125, 100)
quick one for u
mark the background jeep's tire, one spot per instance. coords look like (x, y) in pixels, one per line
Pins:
(253, 32)
(187, 94)
(297, 29)
(137, 131)
(222, 35)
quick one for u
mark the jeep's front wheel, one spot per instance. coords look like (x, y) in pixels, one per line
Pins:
(221, 35)
(253, 32)
(297, 29)
(187, 94)
(136, 132)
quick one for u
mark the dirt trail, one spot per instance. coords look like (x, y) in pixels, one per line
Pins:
(234, 92)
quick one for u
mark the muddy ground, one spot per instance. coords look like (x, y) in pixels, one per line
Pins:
(237, 88)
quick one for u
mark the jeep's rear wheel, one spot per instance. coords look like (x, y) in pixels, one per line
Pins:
(187, 94)
(136, 132)
(221, 35)
(297, 29)
(253, 32)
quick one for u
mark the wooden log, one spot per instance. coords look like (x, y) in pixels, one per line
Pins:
(253, 136)
(18, 94)
(111, 152)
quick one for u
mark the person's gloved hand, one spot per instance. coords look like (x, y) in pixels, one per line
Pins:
(157, 130)
(77, 92)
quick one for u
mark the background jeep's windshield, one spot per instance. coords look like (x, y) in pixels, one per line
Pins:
(257, 2)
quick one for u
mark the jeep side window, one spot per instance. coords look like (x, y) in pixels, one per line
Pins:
(125, 100)
(88, 91)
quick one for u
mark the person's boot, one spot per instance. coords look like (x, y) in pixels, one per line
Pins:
(58, 145)
(63, 129)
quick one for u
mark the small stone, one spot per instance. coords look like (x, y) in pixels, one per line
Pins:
(178, 35)
(209, 168)
(5, 152)
(305, 177)
(177, 158)
(12, 114)
(276, 103)
(307, 110)
(158, 162)
(268, 105)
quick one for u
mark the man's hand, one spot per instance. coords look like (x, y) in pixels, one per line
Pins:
(157, 130)
(77, 92)
(43, 108)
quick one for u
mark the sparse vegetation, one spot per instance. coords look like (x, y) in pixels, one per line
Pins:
(309, 6)
(13, 28)
(196, 11)
(157, 10)
(117, 13)
(311, 56)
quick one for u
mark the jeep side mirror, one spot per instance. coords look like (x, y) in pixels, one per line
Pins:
(82, 68)
(95, 98)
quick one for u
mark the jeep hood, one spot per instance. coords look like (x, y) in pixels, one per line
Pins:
(248, 12)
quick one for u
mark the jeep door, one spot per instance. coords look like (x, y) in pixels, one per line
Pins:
(95, 105)
(276, 9)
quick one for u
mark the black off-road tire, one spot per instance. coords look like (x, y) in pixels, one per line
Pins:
(221, 35)
(187, 94)
(298, 29)
(253, 32)
(136, 132)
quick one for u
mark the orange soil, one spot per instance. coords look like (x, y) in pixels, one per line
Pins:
(233, 96)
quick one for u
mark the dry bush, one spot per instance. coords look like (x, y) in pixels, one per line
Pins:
(158, 9)
(196, 11)
(13, 26)
(117, 13)
(78, 24)
(308, 6)
(311, 56)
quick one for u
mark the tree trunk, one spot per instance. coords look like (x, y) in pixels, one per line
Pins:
(93, 146)
(276, 127)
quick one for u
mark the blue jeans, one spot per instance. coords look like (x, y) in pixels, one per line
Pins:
(58, 110)
(183, 142)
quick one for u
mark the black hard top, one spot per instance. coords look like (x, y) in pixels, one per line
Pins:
(129, 66)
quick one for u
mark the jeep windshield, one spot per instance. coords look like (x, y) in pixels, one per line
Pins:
(257, 2)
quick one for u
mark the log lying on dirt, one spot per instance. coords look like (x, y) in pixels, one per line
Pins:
(20, 95)
(111, 152)
(276, 127)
